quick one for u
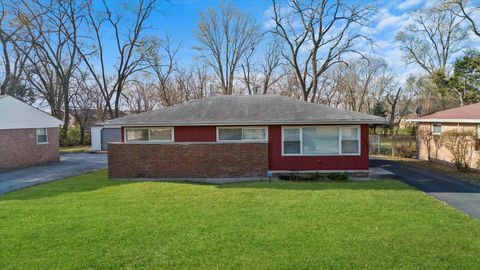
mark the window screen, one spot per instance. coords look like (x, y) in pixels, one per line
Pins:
(350, 141)
(137, 135)
(42, 136)
(229, 134)
(254, 134)
(291, 141)
(320, 140)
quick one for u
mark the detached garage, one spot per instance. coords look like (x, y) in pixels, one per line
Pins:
(28, 136)
(102, 136)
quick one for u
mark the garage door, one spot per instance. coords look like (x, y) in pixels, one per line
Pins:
(110, 135)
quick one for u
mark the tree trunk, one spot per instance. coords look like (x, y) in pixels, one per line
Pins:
(82, 134)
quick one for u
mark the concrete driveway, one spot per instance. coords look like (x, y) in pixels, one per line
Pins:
(69, 165)
(458, 194)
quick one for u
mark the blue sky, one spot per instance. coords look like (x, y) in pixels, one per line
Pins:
(179, 19)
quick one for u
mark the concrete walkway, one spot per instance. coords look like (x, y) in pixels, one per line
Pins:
(69, 165)
(458, 194)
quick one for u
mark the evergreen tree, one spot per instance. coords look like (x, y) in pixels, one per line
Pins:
(466, 77)
(379, 109)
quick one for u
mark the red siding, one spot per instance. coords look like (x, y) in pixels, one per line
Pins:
(276, 160)
(196, 134)
(279, 162)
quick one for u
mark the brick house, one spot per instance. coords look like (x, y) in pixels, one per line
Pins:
(28, 136)
(466, 117)
(240, 136)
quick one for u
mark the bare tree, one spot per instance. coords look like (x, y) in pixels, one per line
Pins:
(358, 83)
(162, 62)
(272, 66)
(250, 75)
(322, 29)
(225, 36)
(13, 60)
(128, 40)
(52, 32)
(141, 94)
(431, 40)
(200, 81)
(259, 76)
(460, 9)
(84, 100)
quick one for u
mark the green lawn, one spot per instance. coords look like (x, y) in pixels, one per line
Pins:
(74, 149)
(88, 222)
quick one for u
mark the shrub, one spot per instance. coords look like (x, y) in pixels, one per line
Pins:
(405, 150)
(460, 143)
(426, 137)
(306, 177)
(73, 137)
(336, 176)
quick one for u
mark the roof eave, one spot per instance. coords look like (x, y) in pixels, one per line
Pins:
(250, 123)
(439, 120)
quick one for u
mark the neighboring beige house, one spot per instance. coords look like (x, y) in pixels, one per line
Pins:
(466, 117)
(28, 136)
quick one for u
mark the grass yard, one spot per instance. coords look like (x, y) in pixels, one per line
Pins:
(449, 169)
(88, 222)
(74, 149)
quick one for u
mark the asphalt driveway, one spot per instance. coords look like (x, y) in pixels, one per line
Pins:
(458, 194)
(69, 165)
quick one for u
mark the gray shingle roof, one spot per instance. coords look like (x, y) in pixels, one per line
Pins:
(247, 110)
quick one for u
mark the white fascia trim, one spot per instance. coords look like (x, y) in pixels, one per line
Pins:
(438, 120)
(40, 125)
(251, 123)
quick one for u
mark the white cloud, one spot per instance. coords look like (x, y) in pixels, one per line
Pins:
(406, 4)
(387, 19)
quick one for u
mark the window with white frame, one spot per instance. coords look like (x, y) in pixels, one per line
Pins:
(350, 140)
(437, 129)
(325, 140)
(149, 134)
(320, 140)
(242, 134)
(478, 131)
(42, 136)
(292, 143)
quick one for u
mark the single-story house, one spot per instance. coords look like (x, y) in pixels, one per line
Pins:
(240, 136)
(466, 117)
(28, 136)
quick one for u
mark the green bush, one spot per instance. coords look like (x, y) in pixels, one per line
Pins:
(337, 176)
(73, 137)
(306, 177)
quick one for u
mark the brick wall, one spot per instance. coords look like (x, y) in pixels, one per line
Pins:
(442, 153)
(19, 148)
(187, 160)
